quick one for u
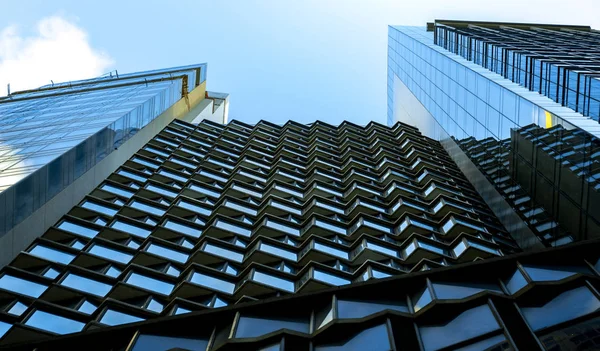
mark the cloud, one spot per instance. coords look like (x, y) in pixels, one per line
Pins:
(58, 50)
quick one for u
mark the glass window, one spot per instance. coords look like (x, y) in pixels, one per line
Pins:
(77, 229)
(278, 251)
(212, 283)
(21, 286)
(382, 249)
(275, 282)
(462, 290)
(232, 228)
(148, 283)
(331, 227)
(18, 308)
(360, 309)
(182, 228)
(566, 306)
(251, 327)
(112, 317)
(117, 191)
(167, 253)
(86, 285)
(330, 250)
(99, 208)
(53, 323)
(238, 207)
(222, 252)
(467, 325)
(132, 175)
(130, 229)
(374, 339)
(204, 191)
(111, 254)
(550, 273)
(51, 254)
(87, 307)
(161, 190)
(194, 208)
(282, 227)
(329, 278)
(146, 342)
(142, 206)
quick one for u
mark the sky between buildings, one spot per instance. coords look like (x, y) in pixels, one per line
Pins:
(280, 59)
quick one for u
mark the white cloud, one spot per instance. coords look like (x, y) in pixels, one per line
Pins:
(58, 50)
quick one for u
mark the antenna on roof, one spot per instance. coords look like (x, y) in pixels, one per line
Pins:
(117, 73)
(8, 88)
(52, 82)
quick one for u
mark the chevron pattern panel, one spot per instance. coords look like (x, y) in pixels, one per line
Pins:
(518, 302)
(207, 216)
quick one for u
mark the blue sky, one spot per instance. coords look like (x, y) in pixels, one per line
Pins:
(279, 60)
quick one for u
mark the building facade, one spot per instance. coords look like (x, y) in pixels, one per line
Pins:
(59, 141)
(479, 86)
(214, 215)
(470, 222)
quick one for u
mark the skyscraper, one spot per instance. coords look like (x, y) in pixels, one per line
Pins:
(516, 106)
(433, 233)
(59, 141)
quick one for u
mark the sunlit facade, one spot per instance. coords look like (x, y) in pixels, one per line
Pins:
(52, 139)
(473, 91)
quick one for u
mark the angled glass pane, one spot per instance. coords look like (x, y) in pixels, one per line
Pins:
(167, 253)
(130, 229)
(222, 252)
(212, 282)
(109, 253)
(251, 327)
(147, 342)
(51, 254)
(149, 283)
(21, 286)
(112, 317)
(86, 285)
(77, 229)
(90, 205)
(53, 323)
(273, 281)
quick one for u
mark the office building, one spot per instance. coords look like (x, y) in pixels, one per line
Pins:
(483, 89)
(449, 229)
(214, 215)
(59, 141)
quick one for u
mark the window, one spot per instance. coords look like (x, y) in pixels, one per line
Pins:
(360, 309)
(275, 282)
(111, 254)
(329, 278)
(330, 250)
(112, 317)
(167, 253)
(194, 208)
(21, 286)
(232, 228)
(77, 229)
(222, 252)
(148, 283)
(53, 323)
(146, 342)
(284, 228)
(212, 283)
(51, 254)
(142, 206)
(99, 208)
(240, 208)
(86, 285)
(278, 251)
(566, 306)
(117, 191)
(325, 225)
(182, 228)
(467, 325)
(161, 190)
(130, 229)
(251, 327)
(375, 339)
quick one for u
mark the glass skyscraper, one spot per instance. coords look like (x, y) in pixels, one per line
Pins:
(516, 107)
(52, 136)
(467, 223)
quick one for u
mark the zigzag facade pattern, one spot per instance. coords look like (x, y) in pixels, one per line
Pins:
(518, 302)
(210, 215)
